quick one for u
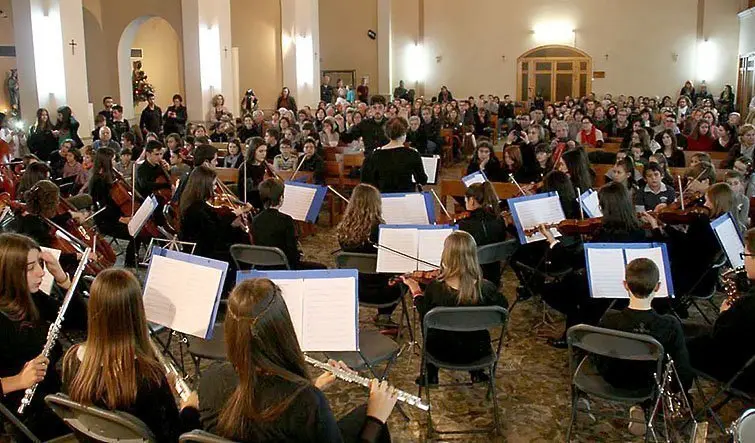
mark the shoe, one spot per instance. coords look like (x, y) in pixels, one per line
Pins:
(393, 332)
(637, 424)
(384, 321)
(479, 376)
(431, 380)
(523, 293)
(558, 343)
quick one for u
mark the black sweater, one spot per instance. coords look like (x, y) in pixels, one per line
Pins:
(210, 230)
(486, 228)
(391, 170)
(273, 228)
(42, 142)
(308, 417)
(371, 131)
(99, 189)
(254, 175)
(146, 176)
(493, 169)
(316, 165)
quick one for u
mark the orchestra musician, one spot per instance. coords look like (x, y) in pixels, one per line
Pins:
(459, 283)
(484, 223)
(264, 392)
(484, 160)
(109, 221)
(391, 168)
(358, 232)
(252, 172)
(204, 155)
(116, 368)
(310, 161)
(26, 311)
(575, 164)
(150, 169)
(34, 173)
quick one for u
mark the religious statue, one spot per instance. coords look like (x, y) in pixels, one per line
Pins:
(12, 82)
(140, 86)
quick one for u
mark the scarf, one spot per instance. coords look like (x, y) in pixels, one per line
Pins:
(588, 138)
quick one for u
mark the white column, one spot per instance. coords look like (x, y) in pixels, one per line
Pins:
(208, 61)
(51, 63)
(385, 80)
(300, 47)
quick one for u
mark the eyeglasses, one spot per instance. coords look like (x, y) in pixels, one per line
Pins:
(742, 255)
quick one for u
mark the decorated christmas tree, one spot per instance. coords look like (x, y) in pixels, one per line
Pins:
(139, 84)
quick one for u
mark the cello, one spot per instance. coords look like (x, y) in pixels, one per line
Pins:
(128, 202)
(102, 250)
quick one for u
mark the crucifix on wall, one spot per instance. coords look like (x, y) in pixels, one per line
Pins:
(73, 45)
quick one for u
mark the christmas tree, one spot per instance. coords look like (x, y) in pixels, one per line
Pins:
(139, 84)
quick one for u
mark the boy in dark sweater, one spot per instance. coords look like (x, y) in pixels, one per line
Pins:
(642, 282)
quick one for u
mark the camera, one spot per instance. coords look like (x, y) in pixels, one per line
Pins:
(249, 92)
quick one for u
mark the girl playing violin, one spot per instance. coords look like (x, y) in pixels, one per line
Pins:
(358, 232)
(252, 172)
(116, 368)
(484, 223)
(26, 313)
(575, 164)
(311, 161)
(484, 160)
(460, 283)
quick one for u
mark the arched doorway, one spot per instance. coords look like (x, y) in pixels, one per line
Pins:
(555, 71)
(161, 57)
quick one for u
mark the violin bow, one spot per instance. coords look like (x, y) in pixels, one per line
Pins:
(133, 189)
(419, 260)
(442, 206)
(338, 194)
(301, 162)
(513, 180)
(246, 197)
(681, 191)
(93, 215)
(579, 203)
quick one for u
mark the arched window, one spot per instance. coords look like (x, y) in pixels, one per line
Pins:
(555, 72)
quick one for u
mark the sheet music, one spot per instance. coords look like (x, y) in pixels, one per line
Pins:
(402, 240)
(655, 254)
(476, 177)
(409, 209)
(172, 284)
(430, 247)
(431, 166)
(48, 279)
(532, 213)
(606, 273)
(292, 290)
(329, 315)
(731, 242)
(297, 200)
(142, 215)
(591, 204)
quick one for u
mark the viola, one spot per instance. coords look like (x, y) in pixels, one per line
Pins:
(421, 277)
(128, 203)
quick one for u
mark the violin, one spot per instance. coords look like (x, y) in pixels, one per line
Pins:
(224, 203)
(454, 218)
(164, 194)
(128, 203)
(694, 209)
(104, 253)
(571, 226)
(421, 277)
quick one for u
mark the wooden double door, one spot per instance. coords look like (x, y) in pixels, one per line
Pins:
(555, 72)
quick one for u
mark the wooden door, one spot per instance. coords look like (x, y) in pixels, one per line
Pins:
(555, 72)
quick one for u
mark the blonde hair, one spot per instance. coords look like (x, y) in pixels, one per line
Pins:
(744, 129)
(362, 214)
(459, 260)
(721, 197)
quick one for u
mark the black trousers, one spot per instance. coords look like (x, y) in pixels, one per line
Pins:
(351, 426)
(120, 231)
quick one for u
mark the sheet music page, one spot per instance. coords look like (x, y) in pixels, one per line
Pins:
(407, 210)
(181, 295)
(731, 243)
(591, 205)
(471, 179)
(48, 279)
(606, 273)
(402, 240)
(430, 245)
(142, 215)
(297, 201)
(292, 290)
(430, 165)
(330, 315)
(655, 254)
(542, 210)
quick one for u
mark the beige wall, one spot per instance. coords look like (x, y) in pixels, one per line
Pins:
(255, 30)
(163, 60)
(405, 33)
(344, 44)
(639, 38)
(6, 63)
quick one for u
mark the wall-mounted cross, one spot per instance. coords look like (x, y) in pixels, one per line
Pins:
(73, 45)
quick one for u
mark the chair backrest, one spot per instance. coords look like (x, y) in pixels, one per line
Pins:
(465, 318)
(497, 252)
(614, 344)
(253, 256)
(94, 424)
(364, 263)
(198, 436)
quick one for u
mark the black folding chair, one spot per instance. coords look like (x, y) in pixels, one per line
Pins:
(199, 436)
(725, 390)
(465, 319)
(704, 287)
(499, 253)
(253, 256)
(587, 382)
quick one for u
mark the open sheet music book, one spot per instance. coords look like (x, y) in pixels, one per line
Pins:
(727, 232)
(606, 265)
(303, 201)
(142, 215)
(475, 177)
(414, 208)
(48, 279)
(322, 304)
(431, 165)
(182, 291)
(423, 242)
(590, 203)
(532, 210)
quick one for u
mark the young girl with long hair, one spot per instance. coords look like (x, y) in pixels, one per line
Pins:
(253, 171)
(460, 283)
(575, 164)
(26, 314)
(484, 223)
(264, 393)
(116, 368)
(670, 150)
(41, 140)
(485, 160)
(745, 148)
(700, 139)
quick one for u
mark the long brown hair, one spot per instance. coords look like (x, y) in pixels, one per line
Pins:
(617, 208)
(199, 187)
(260, 342)
(362, 214)
(43, 198)
(459, 259)
(15, 299)
(485, 196)
(118, 357)
(721, 198)
(103, 166)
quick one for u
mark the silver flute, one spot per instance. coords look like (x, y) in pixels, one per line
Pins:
(182, 388)
(57, 325)
(364, 381)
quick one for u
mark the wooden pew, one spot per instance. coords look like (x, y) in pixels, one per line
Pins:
(716, 157)
(227, 175)
(456, 188)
